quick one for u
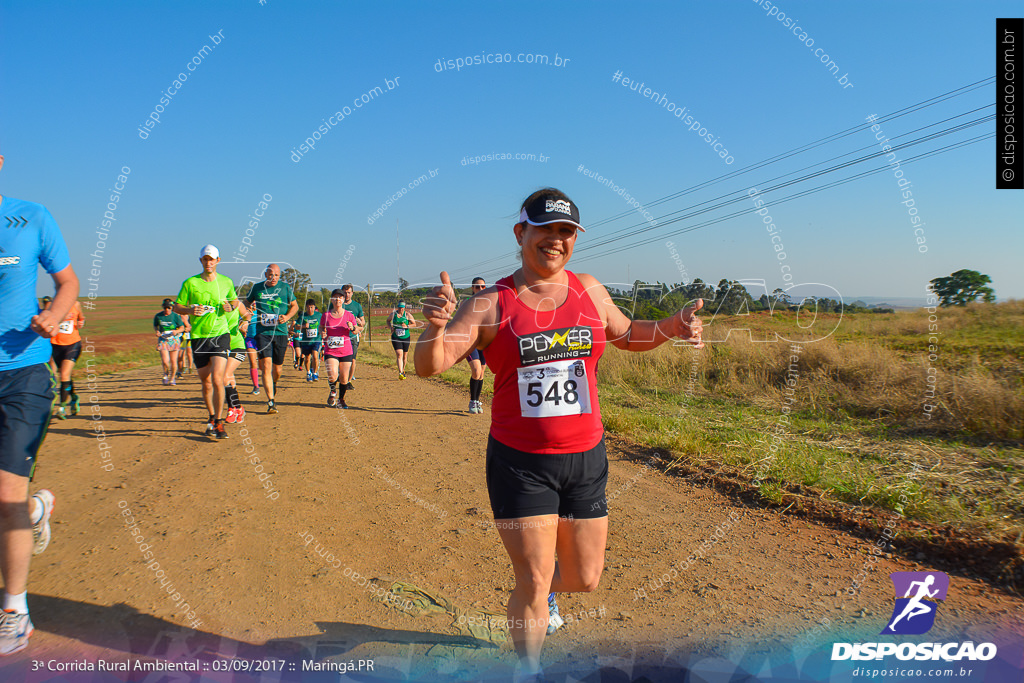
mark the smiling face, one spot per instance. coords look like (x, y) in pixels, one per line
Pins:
(546, 248)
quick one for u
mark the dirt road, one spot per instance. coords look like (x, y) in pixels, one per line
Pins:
(393, 490)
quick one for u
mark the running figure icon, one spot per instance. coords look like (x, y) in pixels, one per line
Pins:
(917, 597)
(916, 607)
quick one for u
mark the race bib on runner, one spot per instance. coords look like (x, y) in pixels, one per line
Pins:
(268, 319)
(67, 327)
(554, 389)
(335, 342)
(311, 334)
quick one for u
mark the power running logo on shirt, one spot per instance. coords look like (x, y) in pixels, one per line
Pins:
(561, 206)
(914, 614)
(544, 347)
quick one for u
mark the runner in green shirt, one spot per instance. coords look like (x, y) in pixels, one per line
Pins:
(273, 305)
(208, 298)
(309, 331)
(237, 325)
(400, 322)
(168, 326)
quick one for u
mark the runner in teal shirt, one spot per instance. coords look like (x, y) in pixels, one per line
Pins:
(274, 305)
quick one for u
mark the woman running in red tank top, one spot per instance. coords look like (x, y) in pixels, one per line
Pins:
(544, 329)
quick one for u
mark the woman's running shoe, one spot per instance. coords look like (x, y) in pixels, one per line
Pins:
(555, 620)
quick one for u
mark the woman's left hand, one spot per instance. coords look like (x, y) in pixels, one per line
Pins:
(688, 326)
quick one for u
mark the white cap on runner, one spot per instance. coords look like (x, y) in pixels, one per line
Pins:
(209, 250)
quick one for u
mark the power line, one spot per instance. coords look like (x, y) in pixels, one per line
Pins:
(644, 227)
(798, 195)
(918, 106)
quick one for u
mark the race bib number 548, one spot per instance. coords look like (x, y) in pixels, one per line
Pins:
(554, 389)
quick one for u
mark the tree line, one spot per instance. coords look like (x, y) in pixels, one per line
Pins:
(656, 300)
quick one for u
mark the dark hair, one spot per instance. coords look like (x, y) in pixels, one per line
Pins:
(344, 287)
(480, 279)
(544, 193)
(310, 302)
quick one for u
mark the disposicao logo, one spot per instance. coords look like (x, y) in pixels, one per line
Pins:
(917, 596)
(914, 612)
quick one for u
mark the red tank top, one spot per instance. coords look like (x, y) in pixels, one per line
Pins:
(545, 366)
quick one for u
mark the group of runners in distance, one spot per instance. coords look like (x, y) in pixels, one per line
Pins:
(258, 328)
(543, 328)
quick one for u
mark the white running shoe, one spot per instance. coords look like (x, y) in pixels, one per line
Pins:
(15, 630)
(555, 620)
(41, 529)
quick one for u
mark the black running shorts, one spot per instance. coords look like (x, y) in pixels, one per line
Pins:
(273, 346)
(63, 352)
(206, 348)
(238, 354)
(402, 344)
(527, 484)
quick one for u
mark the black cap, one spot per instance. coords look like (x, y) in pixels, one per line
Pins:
(167, 302)
(47, 299)
(546, 211)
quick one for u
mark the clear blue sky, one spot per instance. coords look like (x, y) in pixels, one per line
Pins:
(80, 78)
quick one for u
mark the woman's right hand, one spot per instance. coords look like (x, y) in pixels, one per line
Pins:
(439, 306)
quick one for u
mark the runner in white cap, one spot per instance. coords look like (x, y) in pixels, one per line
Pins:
(209, 297)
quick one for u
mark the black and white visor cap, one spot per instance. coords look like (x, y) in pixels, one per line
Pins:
(547, 211)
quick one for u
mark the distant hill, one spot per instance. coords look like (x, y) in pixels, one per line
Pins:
(896, 302)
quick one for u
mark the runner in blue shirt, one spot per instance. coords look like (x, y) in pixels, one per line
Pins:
(29, 238)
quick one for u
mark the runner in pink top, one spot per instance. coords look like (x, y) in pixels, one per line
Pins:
(335, 325)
